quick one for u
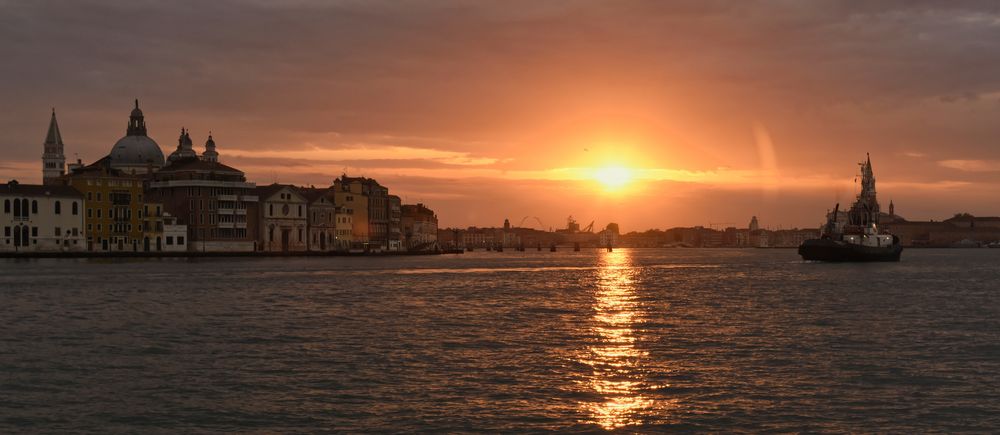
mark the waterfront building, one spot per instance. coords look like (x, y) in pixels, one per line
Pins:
(53, 159)
(114, 205)
(41, 218)
(136, 153)
(419, 226)
(394, 227)
(344, 217)
(353, 195)
(322, 225)
(174, 234)
(215, 201)
(283, 220)
(609, 236)
(152, 227)
(377, 214)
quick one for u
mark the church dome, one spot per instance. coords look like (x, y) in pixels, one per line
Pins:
(136, 151)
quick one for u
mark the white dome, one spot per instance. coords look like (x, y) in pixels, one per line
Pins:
(132, 151)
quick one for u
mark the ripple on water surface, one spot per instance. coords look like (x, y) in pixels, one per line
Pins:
(640, 340)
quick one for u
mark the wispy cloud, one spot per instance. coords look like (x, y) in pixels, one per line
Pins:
(972, 165)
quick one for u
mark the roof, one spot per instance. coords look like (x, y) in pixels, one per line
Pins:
(313, 194)
(53, 137)
(100, 166)
(135, 150)
(14, 188)
(196, 164)
(265, 192)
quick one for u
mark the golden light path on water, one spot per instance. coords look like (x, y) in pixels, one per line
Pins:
(616, 362)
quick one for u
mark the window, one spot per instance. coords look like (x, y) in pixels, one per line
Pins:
(17, 208)
(98, 194)
(270, 209)
(6, 231)
(170, 240)
(76, 208)
(98, 213)
(300, 212)
(6, 206)
(180, 240)
(34, 231)
(58, 231)
(75, 232)
(58, 207)
(90, 227)
(90, 195)
(34, 207)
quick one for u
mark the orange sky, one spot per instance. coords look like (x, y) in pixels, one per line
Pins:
(486, 111)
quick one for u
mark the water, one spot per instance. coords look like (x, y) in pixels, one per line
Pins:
(635, 340)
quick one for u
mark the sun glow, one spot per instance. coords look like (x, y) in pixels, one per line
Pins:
(613, 177)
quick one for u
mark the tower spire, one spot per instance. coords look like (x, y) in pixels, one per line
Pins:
(53, 160)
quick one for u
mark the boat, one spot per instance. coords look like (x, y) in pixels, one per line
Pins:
(859, 238)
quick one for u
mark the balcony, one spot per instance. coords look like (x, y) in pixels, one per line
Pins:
(241, 211)
(226, 198)
(249, 198)
(225, 211)
(226, 225)
(241, 225)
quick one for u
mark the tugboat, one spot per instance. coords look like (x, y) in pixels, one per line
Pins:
(858, 239)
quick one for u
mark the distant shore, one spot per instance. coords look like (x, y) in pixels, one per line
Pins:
(197, 254)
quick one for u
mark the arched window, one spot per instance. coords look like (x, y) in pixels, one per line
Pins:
(270, 209)
(76, 208)
(58, 207)
(6, 206)
(17, 233)
(24, 236)
(17, 208)
(34, 207)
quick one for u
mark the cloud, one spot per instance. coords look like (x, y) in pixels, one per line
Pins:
(511, 93)
(972, 165)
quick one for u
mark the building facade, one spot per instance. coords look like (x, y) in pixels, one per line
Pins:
(214, 201)
(419, 227)
(322, 222)
(114, 206)
(283, 219)
(353, 200)
(40, 218)
(174, 234)
(344, 218)
(394, 227)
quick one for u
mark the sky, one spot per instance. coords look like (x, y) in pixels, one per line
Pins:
(715, 110)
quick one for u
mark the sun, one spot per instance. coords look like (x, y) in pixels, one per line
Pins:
(613, 177)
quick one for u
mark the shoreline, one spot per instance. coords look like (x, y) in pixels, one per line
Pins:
(197, 254)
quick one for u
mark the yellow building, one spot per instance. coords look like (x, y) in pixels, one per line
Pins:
(352, 198)
(113, 206)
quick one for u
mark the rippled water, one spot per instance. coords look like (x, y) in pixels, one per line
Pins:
(638, 340)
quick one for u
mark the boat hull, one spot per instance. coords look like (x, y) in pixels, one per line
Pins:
(839, 251)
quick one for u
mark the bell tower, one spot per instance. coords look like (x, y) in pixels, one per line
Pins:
(53, 160)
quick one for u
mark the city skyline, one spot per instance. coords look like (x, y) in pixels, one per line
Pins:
(486, 112)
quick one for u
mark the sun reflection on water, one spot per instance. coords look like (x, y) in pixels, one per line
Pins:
(616, 362)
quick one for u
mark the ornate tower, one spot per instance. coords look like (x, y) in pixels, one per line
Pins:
(210, 154)
(866, 209)
(53, 160)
